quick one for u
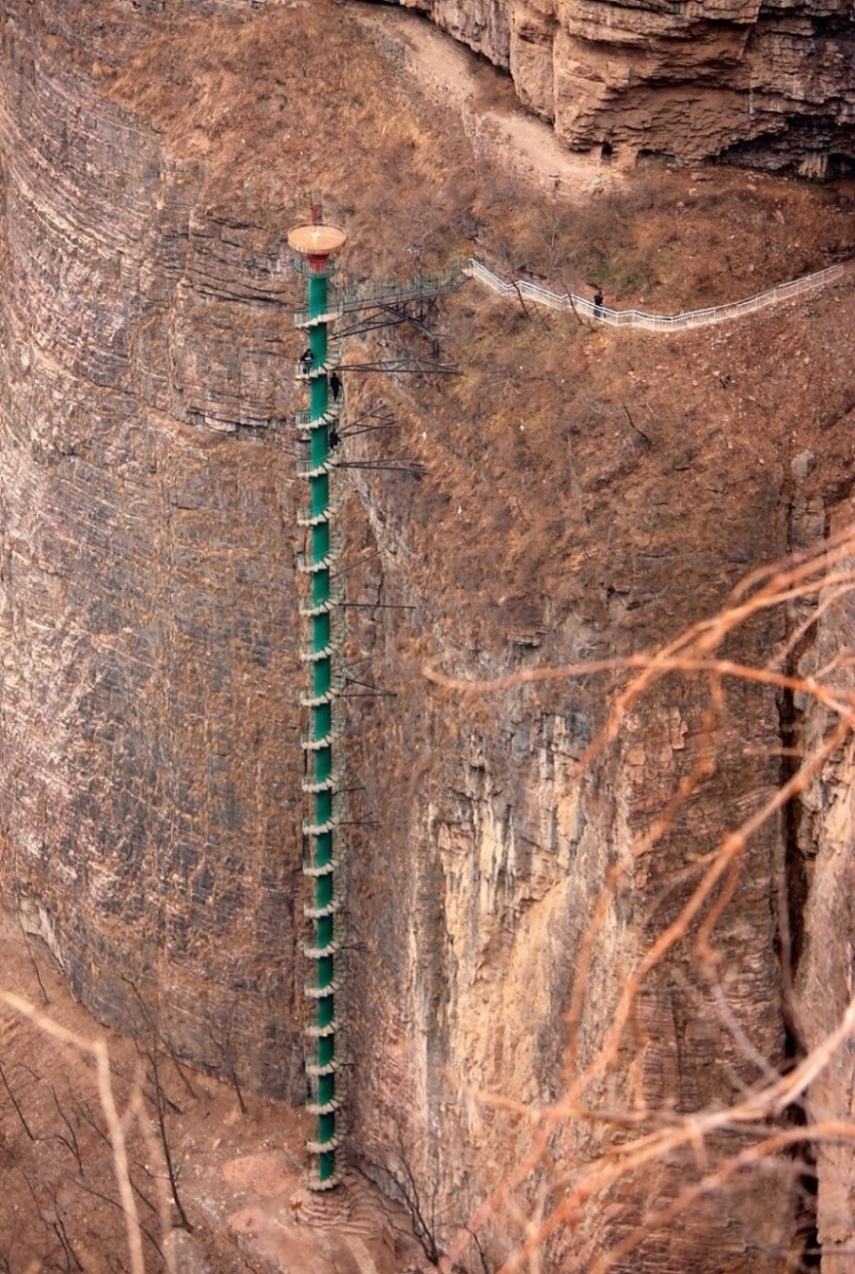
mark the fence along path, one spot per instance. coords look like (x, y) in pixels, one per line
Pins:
(653, 322)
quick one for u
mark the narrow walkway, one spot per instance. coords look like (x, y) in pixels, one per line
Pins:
(362, 296)
(654, 322)
(491, 116)
(501, 128)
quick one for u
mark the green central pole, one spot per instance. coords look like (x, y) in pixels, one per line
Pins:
(321, 780)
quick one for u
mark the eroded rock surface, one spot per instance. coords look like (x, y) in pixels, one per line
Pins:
(822, 869)
(760, 81)
(583, 495)
(145, 681)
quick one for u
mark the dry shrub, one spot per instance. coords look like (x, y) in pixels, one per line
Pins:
(774, 1123)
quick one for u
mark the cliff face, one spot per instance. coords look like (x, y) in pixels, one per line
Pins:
(760, 81)
(822, 865)
(469, 946)
(145, 682)
(150, 761)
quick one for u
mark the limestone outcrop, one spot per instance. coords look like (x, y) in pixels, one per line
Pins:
(822, 842)
(145, 683)
(758, 81)
(573, 499)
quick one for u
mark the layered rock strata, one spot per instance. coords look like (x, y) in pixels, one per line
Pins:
(821, 862)
(150, 768)
(149, 643)
(756, 81)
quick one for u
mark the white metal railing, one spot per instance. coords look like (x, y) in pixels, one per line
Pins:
(653, 322)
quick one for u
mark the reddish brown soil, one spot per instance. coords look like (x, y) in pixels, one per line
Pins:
(240, 1173)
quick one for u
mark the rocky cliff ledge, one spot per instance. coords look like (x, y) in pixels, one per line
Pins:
(579, 494)
(766, 82)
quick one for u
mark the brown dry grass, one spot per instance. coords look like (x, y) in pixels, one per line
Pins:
(301, 99)
(674, 243)
(236, 100)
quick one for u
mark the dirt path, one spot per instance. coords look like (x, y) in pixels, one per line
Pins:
(491, 116)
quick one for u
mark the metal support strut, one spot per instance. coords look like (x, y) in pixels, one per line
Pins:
(315, 245)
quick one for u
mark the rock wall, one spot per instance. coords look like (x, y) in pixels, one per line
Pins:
(468, 943)
(758, 81)
(822, 867)
(149, 770)
(146, 596)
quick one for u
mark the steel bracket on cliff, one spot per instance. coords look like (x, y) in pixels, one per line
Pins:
(315, 247)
